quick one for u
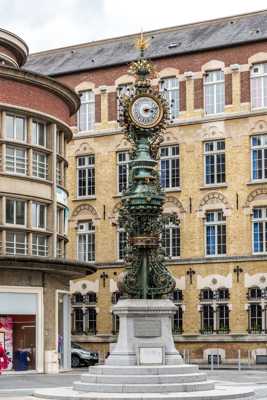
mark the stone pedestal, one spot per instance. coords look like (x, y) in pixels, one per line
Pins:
(145, 336)
(144, 364)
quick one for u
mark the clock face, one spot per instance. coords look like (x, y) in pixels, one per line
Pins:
(145, 111)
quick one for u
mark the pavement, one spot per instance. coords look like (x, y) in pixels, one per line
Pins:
(20, 387)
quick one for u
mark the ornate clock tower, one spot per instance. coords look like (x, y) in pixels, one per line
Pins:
(144, 114)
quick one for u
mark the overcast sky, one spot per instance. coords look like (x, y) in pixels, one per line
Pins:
(46, 24)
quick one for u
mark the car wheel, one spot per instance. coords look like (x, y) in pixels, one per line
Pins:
(75, 361)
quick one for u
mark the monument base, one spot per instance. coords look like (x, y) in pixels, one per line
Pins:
(145, 335)
(144, 364)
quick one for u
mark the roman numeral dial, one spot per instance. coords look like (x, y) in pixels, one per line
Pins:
(145, 111)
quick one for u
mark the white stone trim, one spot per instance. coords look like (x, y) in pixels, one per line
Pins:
(215, 281)
(91, 286)
(259, 279)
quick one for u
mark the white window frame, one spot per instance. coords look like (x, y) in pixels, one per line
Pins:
(216, 84)
(215, 223)
(169, 86)
(169, 158)
(119, 164)
(214, 153)
(38, 207)
(260, 76)
(15, 208)
(15, 117)
(120, 230)
(88, 105)
(87, 166)
(38, 123)
(170, 226)
(24, 245)
(38, 249)
(262, 147)
(84, 230)
(262, 220)
(15, 161)
(41, 169)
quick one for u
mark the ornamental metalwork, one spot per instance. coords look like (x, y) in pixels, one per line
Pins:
(144, 114)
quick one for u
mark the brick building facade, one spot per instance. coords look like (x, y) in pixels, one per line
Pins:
(34, 274)
(213, 169)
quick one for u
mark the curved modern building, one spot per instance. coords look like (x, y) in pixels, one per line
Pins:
(34, 273)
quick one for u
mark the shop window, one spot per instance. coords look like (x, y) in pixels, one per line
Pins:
(86, 176)
(15, 128)
(170, 167)
(40, 165)
(39, 135)
(18, 339)
(122, 170)
(214, 92)
(214, 156)
(215, 228)
(16, 160)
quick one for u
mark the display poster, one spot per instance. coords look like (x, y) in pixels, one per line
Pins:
(6, 337)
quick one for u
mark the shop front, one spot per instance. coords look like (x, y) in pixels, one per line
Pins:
(21, 320)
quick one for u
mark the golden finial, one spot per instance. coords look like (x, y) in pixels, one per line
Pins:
(142, 43)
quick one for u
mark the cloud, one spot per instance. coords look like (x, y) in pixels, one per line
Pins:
(55, 23)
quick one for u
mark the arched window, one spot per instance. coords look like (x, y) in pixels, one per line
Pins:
(206, 294)
(77, 298)
(90, 298)
(223, 294)
(254, 293)
(177, 295)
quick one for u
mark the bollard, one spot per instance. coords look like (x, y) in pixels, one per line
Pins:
(218, 359)
(211, 361)
(239, 360)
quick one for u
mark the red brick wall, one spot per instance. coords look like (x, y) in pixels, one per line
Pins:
(198, 93)
(112, 106)
(34, 97)
(184, 62)
(228, 89)
(245, 86)
(98, 108)
(182, 95)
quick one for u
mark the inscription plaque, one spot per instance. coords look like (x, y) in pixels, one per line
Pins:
(147, 327)
(150, 355)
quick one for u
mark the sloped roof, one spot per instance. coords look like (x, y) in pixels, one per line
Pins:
(205, 35)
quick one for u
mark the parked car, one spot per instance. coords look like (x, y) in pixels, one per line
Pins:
(82, 357)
